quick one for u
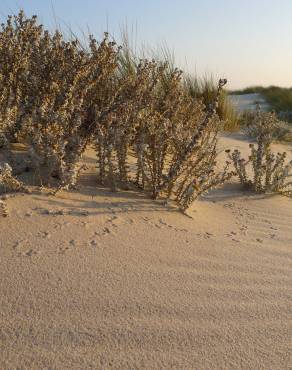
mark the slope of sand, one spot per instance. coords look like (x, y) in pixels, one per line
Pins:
(96, 280)
(248, 102)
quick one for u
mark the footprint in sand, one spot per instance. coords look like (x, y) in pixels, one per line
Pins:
(30, 253)
(208, 235)
(19, 243)
(44, 234)
(104, 232)
(112, 221)
(22, 248)
(65, 248)
(233, 235)
(267, 222)
(111, 210)
(84, 224)
(273, 236)
(93, 243)
(165, 224)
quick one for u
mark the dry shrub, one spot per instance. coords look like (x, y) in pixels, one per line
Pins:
(270, 171)
(16, 38)
(52, 93)
(69, 100)
(116, 131)
(58, 97)
(172, 136)
(192, 170)
(281, 130)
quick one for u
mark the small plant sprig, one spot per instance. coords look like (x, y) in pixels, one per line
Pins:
(269, 171)
(3, 208)
(8, 183)
(280, 130)
(193, 169)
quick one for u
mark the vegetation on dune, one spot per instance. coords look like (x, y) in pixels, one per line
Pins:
(264, 171)
(58, 96)
(8, 183)
(281, 130)
(205, 88)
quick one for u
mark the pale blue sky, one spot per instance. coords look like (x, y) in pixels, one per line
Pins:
(247, 41)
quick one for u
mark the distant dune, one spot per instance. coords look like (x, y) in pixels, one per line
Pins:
(247, 102)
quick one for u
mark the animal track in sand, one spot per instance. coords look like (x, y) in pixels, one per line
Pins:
(117, 221)
(66, 247)
(113, 221)
(93, 243)
(104, 232)
(44, 234)
(161, 224)
(61, 225)
(208, 235)
(233, 235)
(22, 247)
(84, 224)
(262, 225)
(30, 253)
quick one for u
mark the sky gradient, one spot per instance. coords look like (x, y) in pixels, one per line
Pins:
(248, 42)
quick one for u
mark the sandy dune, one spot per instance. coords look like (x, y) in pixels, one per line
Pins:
(248, 102)
(96, 280)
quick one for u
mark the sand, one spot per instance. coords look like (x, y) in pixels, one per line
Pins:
(100, 280)
(248, 102)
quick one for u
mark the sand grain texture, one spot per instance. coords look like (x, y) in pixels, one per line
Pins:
(96, 280)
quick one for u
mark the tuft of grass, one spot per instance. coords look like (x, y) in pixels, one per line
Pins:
(199, 88)
(205, 88)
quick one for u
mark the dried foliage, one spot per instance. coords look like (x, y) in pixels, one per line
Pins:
(206, 89)
(8, 183)
(269, 170)
(281, 130)
(58, 97)
(52, 94)
(3, 208)
(16, 37)
(171, 135)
